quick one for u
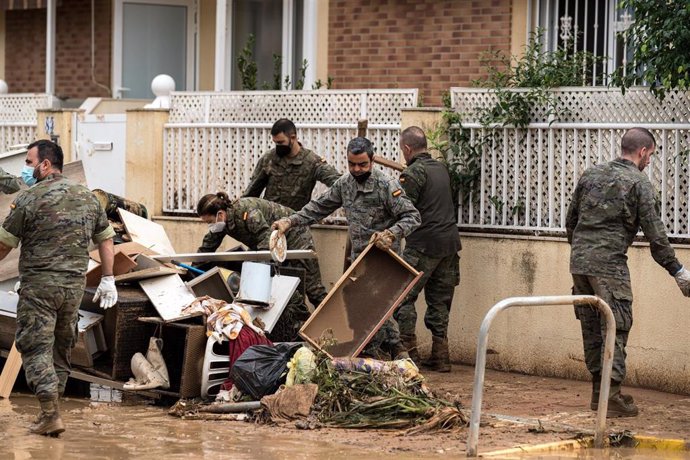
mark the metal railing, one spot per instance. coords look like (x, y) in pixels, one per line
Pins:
(482, 344)
(214, 140)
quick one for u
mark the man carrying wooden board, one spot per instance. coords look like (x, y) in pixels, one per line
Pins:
(53, 220)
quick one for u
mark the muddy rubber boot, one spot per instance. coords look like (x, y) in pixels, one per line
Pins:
(409, 342)
(49, 422)
(439, 360)
(594, 402)
(618, 407)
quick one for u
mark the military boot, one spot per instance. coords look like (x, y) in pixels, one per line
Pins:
(594, 402)
(409, 342)
(618, 406)
(49, 422)
(439, 360)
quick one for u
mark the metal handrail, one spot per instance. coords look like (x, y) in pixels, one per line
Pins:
(482, 342)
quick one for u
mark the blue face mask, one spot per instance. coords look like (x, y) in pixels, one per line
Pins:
(28, 175)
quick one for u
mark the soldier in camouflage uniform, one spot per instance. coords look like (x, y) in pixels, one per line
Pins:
(288, 173)
(110, 204)
(8, 183)
(54, 221)
(377, 210)
(248, 220)
(611, 203)
(432, 248)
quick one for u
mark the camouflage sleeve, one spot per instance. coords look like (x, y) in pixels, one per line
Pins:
(12, 229)
(211, 242)
(572, 215)
(8, 183)
(326, 173)
(653, 228)
(412, 181)
(256, 224)
(103, 230)
(400, 206)
(320, 207)
(258, 181)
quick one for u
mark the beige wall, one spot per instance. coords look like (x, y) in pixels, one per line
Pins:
(322, 42)
(207, 44)
(2, 46)
(534, 340)
(518, 35)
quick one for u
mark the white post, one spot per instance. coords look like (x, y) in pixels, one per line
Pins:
(50, 47)
(221, 33)
(288, 33)
(309, 40)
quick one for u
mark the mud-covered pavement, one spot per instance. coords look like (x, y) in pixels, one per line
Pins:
(114, 431)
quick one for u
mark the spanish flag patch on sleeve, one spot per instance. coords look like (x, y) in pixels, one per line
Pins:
(12, 206)
(245, 215)
(397, 193)
(402, 180)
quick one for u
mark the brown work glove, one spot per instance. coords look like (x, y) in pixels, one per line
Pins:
(282, 225)
(383, 240)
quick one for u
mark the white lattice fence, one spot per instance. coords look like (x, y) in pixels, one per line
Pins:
(18, 117)
(214, 140)
(528, 175)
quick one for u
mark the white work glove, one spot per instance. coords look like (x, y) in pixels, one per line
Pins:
(282, 225)
(683, 281)
(106, 292)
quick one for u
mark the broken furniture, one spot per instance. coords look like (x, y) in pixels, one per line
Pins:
(215, 367)
(214, 284)
(360, 302)
(169, 295)
(90, 341)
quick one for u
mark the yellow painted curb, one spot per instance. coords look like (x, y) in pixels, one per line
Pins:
(640, 442)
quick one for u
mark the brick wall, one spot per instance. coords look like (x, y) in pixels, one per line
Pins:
(426, 44)
(25, 49)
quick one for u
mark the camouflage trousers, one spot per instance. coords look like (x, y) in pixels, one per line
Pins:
(440, 277)
(47, 319)
(385, 341)
(110, 203)
(618, 294)
(313, 286)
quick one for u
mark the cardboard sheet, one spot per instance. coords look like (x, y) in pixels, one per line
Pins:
(146, 232)
(360, 302)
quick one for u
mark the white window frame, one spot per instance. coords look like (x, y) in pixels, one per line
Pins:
(192, 42)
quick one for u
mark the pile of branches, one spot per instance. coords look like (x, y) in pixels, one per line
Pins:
(354, 399)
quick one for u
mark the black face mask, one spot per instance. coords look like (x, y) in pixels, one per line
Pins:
(283, 150)
(362, 178)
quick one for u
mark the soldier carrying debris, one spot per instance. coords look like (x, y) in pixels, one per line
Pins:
(248, 220)
(610, 204)
(54, 221)
(377, 210)
(289, 172)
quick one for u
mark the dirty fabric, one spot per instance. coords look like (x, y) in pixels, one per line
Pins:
(245, 339)
(47, 319)
(290, 403)
(228, 321)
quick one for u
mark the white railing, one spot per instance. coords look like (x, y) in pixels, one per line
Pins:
(214, 140)
(18, 117)
(528, 175)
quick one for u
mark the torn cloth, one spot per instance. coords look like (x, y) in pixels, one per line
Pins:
(291, 402)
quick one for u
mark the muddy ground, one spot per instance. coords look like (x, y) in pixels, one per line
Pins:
(114, 430)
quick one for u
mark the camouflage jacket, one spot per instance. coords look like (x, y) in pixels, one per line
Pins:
(54, 221)
(249, 222)
(8, 183)
(290, 181)
(379, 203)
(427, 184)
(610, 204)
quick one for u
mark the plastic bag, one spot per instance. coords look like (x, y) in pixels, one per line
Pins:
(261, 368)
(301, 367)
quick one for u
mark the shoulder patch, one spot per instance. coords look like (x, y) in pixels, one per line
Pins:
(245, 215)
(402, 179)
(12, 206)
(397, 192)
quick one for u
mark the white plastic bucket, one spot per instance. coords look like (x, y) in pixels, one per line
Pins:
(255, 283)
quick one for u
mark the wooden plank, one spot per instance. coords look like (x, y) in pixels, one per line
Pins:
(9, 268)
(388, 163)
(10, 372)
(122, 264)
(146, 232)
(361, 301)
(169, 295)
(234, 256)
(130, 248)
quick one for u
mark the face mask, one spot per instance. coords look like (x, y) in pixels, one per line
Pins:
(28, 175)
(283, 150)
(216, 227)
(362, 178)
